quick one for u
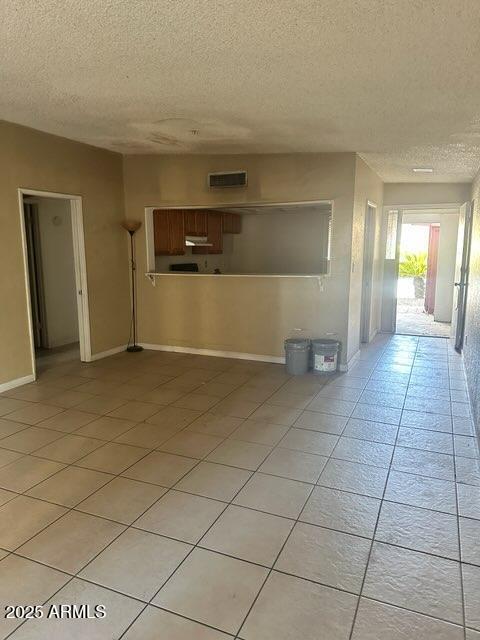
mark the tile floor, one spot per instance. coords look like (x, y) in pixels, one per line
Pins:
(204, 498)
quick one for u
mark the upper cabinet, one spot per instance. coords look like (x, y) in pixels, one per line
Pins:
(232, 223)
(214, 234)
(215, 231)
(195, 222)
(170, 226)
(169, 232)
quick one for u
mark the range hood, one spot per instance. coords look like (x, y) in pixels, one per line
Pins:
(197, 241)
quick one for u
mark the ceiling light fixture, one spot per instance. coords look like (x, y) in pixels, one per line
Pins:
(422, 170)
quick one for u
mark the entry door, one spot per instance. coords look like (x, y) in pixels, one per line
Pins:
(368, 250)
(432, 261)
(390, 270)
(461, 275)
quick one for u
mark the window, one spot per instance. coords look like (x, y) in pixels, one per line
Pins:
(392, 227)
(251, 240)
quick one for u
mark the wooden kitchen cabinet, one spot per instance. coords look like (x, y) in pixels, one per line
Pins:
(169, 232)
(195, 222)
(215, 231)
(232, 223)
(214, 234)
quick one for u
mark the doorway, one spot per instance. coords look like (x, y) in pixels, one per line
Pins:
(424, 297)
(419, 270)
(55, 275)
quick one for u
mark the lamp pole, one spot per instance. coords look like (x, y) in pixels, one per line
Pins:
(131, 227)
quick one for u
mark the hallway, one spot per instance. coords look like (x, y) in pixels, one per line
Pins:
(209, 498)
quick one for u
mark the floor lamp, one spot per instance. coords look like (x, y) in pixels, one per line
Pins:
(131, 226)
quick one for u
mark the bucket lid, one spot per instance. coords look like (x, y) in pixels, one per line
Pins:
(297, 343)
(325, 342)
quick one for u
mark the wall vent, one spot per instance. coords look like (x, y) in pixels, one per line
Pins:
(227, 179)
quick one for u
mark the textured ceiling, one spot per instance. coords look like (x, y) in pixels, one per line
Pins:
(396, 80)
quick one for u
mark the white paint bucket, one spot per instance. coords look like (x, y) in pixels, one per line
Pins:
(325, 354)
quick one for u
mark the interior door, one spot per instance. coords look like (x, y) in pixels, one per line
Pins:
(35, 276)
(393, 225)
(367, 277)
(461, 275)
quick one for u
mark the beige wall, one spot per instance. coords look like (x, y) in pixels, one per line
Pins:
(58, 270)
(281, 242)
(447, 250)
(222, 318)
(472, 327)
(368, 187)
(211, 313)
(235, 314)
(36, 160)
(411, 193)
(216, 313)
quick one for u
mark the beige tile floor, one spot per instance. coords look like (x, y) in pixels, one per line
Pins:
(202, 498)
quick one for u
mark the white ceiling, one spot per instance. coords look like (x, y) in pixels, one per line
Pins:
(396, 80)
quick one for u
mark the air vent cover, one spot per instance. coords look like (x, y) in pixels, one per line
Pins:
(227, 179)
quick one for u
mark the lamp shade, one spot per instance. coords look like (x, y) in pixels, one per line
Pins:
(131, 225)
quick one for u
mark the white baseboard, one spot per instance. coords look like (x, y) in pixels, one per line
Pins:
(18, 382)
(238, 355)
(62, 343)
(109, 352)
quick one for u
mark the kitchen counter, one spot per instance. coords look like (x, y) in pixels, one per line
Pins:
(153, 275)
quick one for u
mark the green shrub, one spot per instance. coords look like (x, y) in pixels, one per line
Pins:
(413, 264)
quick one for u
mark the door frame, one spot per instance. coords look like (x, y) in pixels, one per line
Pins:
(80, 264)
(397, 268)
(459, 335)
(390, 307)
(367, 272)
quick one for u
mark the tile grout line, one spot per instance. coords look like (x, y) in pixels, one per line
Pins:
(460, 563)
(255, 509)
(286, 573)
(286, 382)
(74, 432)
(282, 548)
(34, 453)
(203, 535)
(271, 569)
(69, 510)
(97, 554)
(360, 594)
(104, 443)
(183, 429)
(194, 546)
